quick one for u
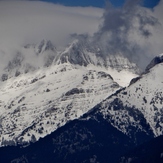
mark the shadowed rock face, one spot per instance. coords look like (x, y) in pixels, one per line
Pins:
(44, 45)
(84, 52)
(155, 61)
(16, 62)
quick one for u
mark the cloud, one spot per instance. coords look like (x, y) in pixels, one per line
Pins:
(26, 22)
(31, 21)
(132, 30)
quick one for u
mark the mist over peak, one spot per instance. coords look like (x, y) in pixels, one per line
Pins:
(29, 58)
(130, 30)
(42, 46)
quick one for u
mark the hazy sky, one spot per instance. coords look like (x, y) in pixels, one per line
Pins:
(31, 21)
(134, 29)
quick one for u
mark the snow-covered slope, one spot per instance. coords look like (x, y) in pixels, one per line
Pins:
(38, 103)
(139, 105)
(42, 89)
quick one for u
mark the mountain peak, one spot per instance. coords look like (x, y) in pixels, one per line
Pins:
(42, 46)
(157, 60)
(84, 52)
(45, 45)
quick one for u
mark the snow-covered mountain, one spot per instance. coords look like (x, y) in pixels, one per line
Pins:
(138, 106)
(125, 119)
(42, 89)
(81, 52)
(84, 98)
(29, 58)
(84, 52)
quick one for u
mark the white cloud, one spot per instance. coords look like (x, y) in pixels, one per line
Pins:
(154, 44)
(24, 22)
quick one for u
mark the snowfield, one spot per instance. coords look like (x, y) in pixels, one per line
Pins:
(39, 102)
(36, 99)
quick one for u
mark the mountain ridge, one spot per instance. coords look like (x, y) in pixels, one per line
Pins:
(80, 52)
(77, 92)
